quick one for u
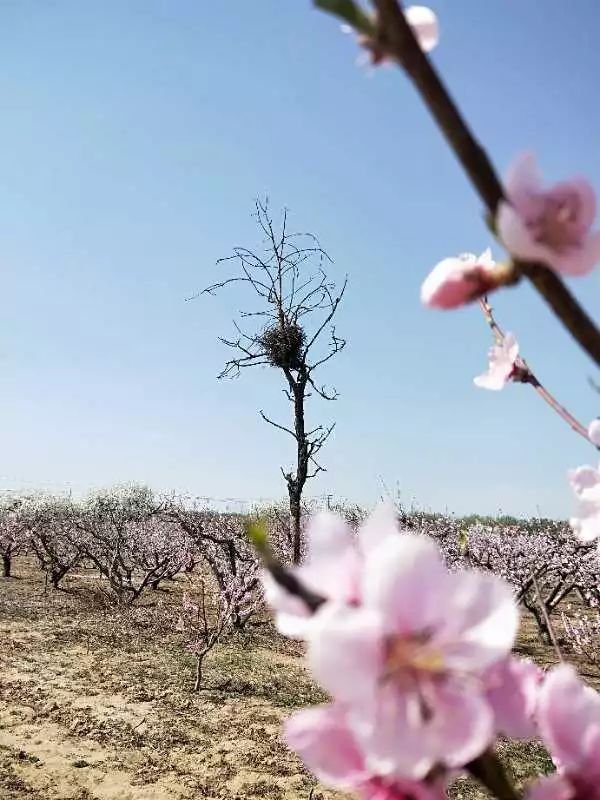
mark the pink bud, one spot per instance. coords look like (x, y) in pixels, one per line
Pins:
(456, 281)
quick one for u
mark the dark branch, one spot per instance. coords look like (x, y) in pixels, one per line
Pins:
(277, 425)
(396, 37)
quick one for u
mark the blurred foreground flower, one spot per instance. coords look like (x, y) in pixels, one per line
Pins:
(569, 723)
(512, 689)
(502, 363)
(324, 741)
(408, 661)
(549, 225)
(408, 649)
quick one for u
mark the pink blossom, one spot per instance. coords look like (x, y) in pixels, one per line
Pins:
(408, 661)
(424, 24)
(549, 225)
(569, 723)
(512, 688)
(332, 568)
(594, 432)
(583, 632)
(322, 738)
(552, 788)
(585, 482)
(502, 358)
(456, 281)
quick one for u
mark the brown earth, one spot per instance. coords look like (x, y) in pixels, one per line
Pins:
(95, 706)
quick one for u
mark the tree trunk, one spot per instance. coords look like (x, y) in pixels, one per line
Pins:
(295, 514)
(540, 621)
(198, 678)
(231, 554)
(296, 484)
(6, 565)
(56, 575)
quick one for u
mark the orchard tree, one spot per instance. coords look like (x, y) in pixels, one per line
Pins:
(220, 543)
(291, 329)
(54, 536)
(133, 546)
(14, 533)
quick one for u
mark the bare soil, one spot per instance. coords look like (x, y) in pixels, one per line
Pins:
(95, 706)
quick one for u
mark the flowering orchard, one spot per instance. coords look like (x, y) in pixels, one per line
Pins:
(136, 541)
(410, 632)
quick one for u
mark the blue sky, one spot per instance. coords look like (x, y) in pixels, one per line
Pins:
(134, 139)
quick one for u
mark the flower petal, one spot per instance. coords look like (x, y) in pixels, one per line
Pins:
(586, 197)
(594, 432)
(510, 346)
(494, 381)
(517, 237)
(323, 741)
(587, 524)
(583, 478)
(481, 621)
(383, 522)
(345, 651)
(425, 26)
(405, 580)
(502, 357)
(335, 576)
(512, 691)
(523, 179)
(292, 617)
(391, 734)
(486, 260)
(579, 260)
(591, 747)
(554, 787)
(327, 535)
(567, 709)
(399, 739)
(462, 725)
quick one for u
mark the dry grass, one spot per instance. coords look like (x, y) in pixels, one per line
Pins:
(96, 707)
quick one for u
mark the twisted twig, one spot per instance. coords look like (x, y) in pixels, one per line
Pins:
(525, 375)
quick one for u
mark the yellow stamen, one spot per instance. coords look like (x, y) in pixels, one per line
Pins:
(416, 654)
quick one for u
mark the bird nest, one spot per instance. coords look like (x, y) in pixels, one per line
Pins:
(283, 345)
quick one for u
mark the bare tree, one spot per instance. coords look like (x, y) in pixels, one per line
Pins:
(291, 329)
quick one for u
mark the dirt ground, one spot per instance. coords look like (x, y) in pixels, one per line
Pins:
(93, 706)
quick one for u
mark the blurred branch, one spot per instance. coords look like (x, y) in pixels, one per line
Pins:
(392, 35)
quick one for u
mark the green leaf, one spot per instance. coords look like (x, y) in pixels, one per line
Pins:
(257, 534)
(350, 12)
